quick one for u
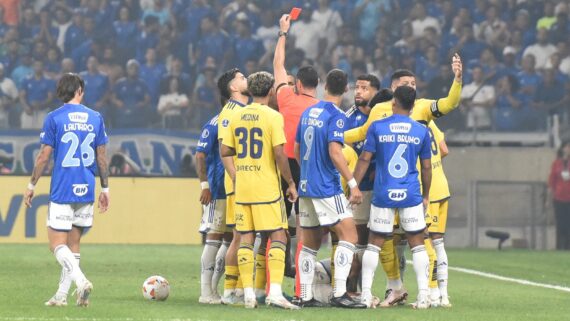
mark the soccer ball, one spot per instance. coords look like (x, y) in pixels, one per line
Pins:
(156, 288)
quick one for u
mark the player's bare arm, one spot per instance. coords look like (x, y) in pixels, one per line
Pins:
(103, 166)
(426, 180)
(335, 152)
(279, 71)
(227, 154)
(206, 194)
(41, 161)
(283, 165)
(362, 166)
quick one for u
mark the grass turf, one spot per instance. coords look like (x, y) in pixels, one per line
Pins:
(30, 276)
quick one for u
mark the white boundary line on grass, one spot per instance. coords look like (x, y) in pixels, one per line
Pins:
(506, 279)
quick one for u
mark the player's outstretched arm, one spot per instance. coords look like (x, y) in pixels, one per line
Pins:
(41, 161)
(103, 166)
(426, 180)
(227, 154)
(362, 166)
(279, 58)
(449, 103)
(335, 152)
(205, 195)
(358, 134)
(283, 165)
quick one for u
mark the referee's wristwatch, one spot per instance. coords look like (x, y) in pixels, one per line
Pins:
(282, 34)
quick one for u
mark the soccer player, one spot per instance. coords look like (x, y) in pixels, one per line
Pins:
(439, 195)
(424, 109)
(256, 138)
(76, 136)
(233, 87)
(213, 199)
(397, 142)
(318, 148)
(365, 89)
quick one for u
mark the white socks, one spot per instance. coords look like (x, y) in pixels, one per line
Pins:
(65, 280)
(442, 266)
(369, 264)
(307, 261)
(220, 267)
(342, 263)
(69, 264)
(395, 285)
(421, 267)
(208, 263)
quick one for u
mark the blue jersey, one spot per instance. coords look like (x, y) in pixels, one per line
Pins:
(356, 118)
(74, 132)
(209, 145)
(320, 124)
(397, 142)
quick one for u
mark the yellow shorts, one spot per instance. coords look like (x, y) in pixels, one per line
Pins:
(260, 217)
(438, 213)
(230, 210)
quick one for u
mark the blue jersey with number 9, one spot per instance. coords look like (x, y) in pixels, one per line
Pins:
(74, 132)
(397, 142)
(320, 125)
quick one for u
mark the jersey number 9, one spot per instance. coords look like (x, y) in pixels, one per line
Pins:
(87, 152)
(255, 142)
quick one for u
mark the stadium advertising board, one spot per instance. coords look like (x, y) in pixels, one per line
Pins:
(143, 211)
(155, 153)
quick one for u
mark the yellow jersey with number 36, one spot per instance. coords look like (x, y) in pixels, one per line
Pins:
(255, 130)
(439, 189)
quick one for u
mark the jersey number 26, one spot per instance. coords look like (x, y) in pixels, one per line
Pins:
(87, 152)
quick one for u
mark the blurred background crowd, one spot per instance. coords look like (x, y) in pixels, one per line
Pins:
(154, 63)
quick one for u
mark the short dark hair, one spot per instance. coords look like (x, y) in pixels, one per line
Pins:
(336, 82)
(405, 97)
(68, 85)
(401, 73)
(373, 80)
(308, 76)
(224, 82)
(385, 94)
(259, 84)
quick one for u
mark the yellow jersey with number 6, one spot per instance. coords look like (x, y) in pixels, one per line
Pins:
(255, 130)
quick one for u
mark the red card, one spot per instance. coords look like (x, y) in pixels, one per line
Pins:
(295, 12)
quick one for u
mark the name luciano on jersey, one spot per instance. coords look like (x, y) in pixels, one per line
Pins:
(399, 139)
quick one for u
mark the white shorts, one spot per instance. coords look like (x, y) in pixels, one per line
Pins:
(314, 212)
(62, 217)
(362, 211)
(213, 217)
(412, 219)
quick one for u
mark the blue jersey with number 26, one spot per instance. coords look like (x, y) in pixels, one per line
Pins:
(320, 124)
(74, 132)
(397, 142)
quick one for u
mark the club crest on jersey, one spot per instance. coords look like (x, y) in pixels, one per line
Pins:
(80, 189)
(225, 122)
(340, 123)
(400, 127)
(303, 185)
(78, 117)
(397, 194)
(315, 112)
(205, 133)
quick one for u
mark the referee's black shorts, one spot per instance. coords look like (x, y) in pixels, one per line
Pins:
(296, 173)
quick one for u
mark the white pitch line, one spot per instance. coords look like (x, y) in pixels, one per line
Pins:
(506, 279)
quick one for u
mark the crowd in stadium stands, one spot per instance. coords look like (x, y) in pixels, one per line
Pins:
(154, 63)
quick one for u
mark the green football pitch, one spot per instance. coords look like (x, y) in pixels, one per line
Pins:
(30, 275)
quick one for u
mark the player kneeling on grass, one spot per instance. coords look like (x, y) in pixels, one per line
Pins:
(256, 138)
(76, 135)
(397, 142)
